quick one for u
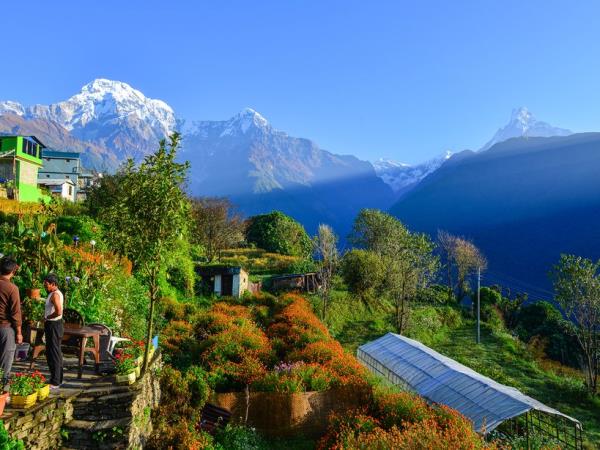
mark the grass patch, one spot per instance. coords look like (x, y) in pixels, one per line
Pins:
(505, 359)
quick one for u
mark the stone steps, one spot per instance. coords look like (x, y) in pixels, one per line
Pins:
(97, 434)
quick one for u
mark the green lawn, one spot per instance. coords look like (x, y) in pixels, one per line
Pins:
(504, 359)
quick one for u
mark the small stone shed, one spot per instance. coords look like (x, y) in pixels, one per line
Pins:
(224, 280)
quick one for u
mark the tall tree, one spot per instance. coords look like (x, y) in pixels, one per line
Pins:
(279, 233)
(148, 215)
(577, 291)
(447, 245)
(461, 258)
(325, 248)
(407, 257)
(467, 258)
(216, 225)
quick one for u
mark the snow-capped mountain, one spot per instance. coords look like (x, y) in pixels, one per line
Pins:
(110, 113)
(402, 177)
(523, 124)
(261, 168)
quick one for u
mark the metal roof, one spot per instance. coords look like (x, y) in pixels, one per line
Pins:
(50, 153)
(445, 381)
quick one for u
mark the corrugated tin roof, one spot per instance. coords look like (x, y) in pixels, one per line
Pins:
(445, 381)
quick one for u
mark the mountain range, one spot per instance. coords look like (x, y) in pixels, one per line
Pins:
(527, 194)
(523, 202)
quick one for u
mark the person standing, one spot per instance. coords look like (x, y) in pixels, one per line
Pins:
(10, 315)
(53, 330)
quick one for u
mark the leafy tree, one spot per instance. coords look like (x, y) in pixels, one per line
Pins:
(278, 233)
(325, 245)
(216, 225)
(407, 257)
(104, 193)
(363, 273)
(461, 257)
(577, 291)
(148, 216)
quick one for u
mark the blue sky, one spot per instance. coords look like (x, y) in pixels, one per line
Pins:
(406, 80)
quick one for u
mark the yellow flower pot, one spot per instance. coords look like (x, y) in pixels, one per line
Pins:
(150, 352)
(23, 401)
(44, 392)
(138, 371)
(126, 379)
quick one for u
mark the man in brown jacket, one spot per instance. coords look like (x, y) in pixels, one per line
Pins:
(10, 315)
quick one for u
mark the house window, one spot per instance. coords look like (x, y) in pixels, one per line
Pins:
(68, 160)
(67, 176)
(47, 175)
(70, 190)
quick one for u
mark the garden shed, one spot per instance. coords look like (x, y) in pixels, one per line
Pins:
(442, 380)
(224, 280)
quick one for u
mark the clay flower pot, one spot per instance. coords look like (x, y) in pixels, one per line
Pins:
(3, 398)
(33, 293)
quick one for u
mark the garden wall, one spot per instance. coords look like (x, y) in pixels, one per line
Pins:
(104, 416)
(304, 413)
(40, 426)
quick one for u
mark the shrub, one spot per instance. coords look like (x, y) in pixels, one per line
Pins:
(278, 233)
(238, 437)
(8, 443)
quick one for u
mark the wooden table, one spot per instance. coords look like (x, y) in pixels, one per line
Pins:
(81, 333)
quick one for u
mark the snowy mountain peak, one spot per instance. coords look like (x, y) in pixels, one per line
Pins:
(11, 107)
(524, 124)
(108, 100)
(401, 177)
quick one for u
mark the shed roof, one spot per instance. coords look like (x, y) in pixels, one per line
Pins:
(443, 380)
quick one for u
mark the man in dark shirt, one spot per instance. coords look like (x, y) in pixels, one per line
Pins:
(10, 315)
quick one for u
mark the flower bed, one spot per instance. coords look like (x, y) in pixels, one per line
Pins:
(278, 348)
(401, 421)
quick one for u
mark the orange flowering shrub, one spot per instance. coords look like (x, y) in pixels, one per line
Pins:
(235, 351)
(402, 421)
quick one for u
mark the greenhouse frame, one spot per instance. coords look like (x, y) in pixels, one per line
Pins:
(487, 403)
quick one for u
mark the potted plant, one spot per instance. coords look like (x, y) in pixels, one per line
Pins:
(125, 365)
(23, 391)
(33, 310)
(3, 395)
(43, 388)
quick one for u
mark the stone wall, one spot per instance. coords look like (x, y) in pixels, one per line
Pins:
(103, 416)
(40, 426)
(278, 414)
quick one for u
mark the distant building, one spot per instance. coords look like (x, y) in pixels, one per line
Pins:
(307, 282)
(20, 161)
(65, 167)
(224, 280)
(59, 188)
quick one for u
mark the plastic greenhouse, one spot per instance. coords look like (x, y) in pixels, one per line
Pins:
(487, 403)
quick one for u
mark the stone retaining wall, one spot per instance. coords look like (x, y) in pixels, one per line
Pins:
(40, 426)
(103, 416)
(303, 413)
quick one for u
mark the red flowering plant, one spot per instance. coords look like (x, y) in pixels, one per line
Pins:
(22, 384)
(125, 363)
(38, 379)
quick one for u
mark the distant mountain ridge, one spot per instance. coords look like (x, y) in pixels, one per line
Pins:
(243, 157)
(262, 168)
(403, 177)
(111, 114)
(524, 201)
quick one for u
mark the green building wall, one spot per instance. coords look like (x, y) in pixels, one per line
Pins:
(26, 168)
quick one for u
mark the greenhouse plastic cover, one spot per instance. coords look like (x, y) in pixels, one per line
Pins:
(442, 380)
